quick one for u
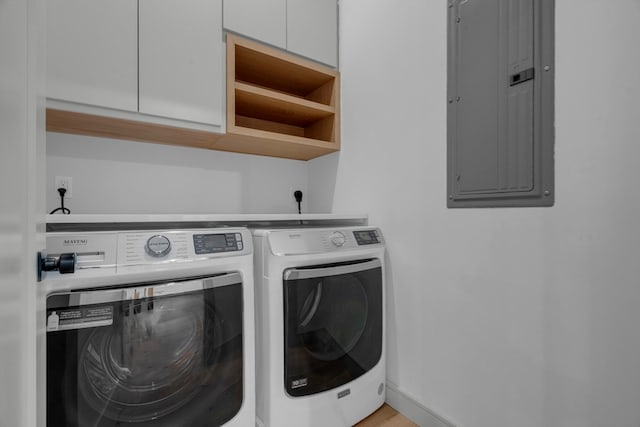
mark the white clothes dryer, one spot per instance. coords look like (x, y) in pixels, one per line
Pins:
(320, 334)
(150, 328)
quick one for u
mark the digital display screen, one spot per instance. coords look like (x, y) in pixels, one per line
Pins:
(214, 241)
(367, 237)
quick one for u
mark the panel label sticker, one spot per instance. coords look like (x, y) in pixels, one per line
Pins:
(78, 318)
(344, 393)
(301, 382)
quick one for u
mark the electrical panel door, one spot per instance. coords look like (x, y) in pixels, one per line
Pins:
(494, 147)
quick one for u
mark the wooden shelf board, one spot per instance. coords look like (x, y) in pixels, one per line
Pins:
(264, 104)
(253, 141)
(266, 125)
(289, 139)
(109, 127)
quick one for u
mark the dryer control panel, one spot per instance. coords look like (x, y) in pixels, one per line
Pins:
(310, 241)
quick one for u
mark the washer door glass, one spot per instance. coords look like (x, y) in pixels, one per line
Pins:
(151, 363)
(164, 361)
(333, 325)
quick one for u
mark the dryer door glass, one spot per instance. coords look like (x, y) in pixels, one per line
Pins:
(333, 324)
(161, 355)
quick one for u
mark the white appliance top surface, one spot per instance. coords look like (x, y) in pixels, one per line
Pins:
(142, 218)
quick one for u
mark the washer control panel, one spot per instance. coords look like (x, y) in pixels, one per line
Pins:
(217, 242)
(143, 248)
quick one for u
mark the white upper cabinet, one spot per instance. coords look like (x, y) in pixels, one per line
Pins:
(264, 20)
(312, 29)
(155, 61)
(181, 59)
(306, 27)
(92, 52)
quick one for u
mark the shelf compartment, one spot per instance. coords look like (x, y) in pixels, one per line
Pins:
(267, 68)
(279, 104)
(260, 103)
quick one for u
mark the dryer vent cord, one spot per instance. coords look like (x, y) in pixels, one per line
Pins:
(62, 209)
(298, 195)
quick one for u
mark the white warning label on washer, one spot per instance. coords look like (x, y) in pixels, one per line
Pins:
(78, 318)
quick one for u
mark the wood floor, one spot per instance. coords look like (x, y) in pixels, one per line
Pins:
(386, 416)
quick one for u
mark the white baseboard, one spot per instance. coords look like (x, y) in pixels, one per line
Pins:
(412, 409)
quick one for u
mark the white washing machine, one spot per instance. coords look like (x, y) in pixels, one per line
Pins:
(320, 334)
(150, 328)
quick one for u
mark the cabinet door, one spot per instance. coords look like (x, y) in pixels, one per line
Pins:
(263, 20)
(312, 29)
(181, 59)
(92, 52)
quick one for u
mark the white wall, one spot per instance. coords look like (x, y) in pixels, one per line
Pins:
(120, 177)
(499, 317)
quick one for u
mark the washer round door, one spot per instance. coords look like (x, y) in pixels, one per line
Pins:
(333, 324)
(153, 361)
(171, 355)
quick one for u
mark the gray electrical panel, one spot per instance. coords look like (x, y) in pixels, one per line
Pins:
(500, 90)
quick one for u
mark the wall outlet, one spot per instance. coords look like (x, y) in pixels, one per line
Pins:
(63, 182)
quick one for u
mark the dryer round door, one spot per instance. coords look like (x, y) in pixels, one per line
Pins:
(333, 324)
(333, 316)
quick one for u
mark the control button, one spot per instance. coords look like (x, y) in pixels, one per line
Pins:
(238, 237)
(337, 238)
(239, 246)
(158, 246)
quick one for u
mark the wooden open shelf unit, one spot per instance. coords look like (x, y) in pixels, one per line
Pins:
(278, 104)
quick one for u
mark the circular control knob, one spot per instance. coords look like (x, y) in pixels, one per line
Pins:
(337, 238)
(158, 246)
